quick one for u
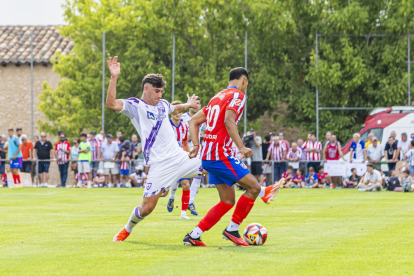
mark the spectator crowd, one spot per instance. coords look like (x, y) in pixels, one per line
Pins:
(101, 160)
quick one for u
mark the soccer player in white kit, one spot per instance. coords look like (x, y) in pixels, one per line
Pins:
(195, 184)
(168, 162)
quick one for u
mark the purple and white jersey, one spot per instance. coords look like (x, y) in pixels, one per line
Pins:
(154, 128)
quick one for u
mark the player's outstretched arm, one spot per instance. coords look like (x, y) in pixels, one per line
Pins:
(230, 122)
(195, 123)
(111, 101)
(192, 102)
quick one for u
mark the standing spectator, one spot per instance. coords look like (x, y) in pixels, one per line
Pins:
(371, 181)
(84, 160)
(43, 152)
(257, 157)
(33, 169)
(410, 157)
(3, 152)
(369, 140)
(19, 132)
(283, 141)
(294, 156)
(96, 145)
(394, 134)
(267, 168)
(119, 133)
(277, 151)
(134, 146)
(101, 136)
(313, 151)
(357, 149)
(62, 154)
(375, 153)
(331, 152)
(109, 152)
(302, 165)
(74, 155)
(403, 146)
(14, 148)
(391, 153)
(125, 157)
(328, 136)
(27, 152)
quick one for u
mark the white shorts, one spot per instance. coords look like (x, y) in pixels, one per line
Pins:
(84, 167)
(112, 171)
(163, 174)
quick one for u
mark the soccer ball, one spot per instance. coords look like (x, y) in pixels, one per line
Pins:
(255, 234)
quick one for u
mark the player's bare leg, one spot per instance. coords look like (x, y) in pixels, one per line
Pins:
(138, 214)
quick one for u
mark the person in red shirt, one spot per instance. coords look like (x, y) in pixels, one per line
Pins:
(62, 152)
(298, 181)
(287, 176)
(27, 152)
(324, 178)
(221, 116)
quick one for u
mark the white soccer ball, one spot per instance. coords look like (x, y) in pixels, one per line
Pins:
(255, 234)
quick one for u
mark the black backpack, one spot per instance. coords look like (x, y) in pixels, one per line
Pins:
(393, 183)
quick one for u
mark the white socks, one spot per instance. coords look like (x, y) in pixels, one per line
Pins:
(195, 186)
(134, 219)
(173, 190)
(196, 233)
(262, 192)
(183, 213)
(233, 227)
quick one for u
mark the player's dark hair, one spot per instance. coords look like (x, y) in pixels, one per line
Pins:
(313, 134)
(237, 73)
(153, 79)
(122, 139)
(84, 135)
(320, 168)
(353, 169)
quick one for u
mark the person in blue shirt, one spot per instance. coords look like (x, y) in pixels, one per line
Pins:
(358, 150)
(14, 150)
(311, 179)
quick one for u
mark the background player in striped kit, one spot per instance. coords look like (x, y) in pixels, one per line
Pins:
(195, 184)
(181, 134)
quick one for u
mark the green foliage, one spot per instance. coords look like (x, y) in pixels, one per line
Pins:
(353, 71)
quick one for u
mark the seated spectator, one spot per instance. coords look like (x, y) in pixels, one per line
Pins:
(99, 179)
(407, 182)
(288, 176)
(383, 178)
(139, 177)
(353, 180)
(311, 179)
(371, 181)
(393, 182)
(298, 181)
(324, 178)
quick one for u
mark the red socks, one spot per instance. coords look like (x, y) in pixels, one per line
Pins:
(16, 179)
(185, 200)
(214, 215)
(243, 207)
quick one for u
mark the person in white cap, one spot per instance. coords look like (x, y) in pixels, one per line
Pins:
(139, 177)
(99, 180)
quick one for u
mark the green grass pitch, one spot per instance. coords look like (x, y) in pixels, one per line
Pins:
(310, 232)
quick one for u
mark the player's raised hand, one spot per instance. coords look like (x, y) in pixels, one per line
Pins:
(114, 66)
(194, 152)
(192, 101)
(246, 152)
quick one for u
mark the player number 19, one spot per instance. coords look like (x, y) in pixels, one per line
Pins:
(212, 117)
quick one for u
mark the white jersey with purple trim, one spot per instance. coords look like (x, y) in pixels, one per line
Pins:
(154, 128)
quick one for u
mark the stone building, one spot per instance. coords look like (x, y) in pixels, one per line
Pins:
(15, 88)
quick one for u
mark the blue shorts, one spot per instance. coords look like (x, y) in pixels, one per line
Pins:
(16, 163)
(124, 172)
(225, 171)
(43, 167)
(181, 179)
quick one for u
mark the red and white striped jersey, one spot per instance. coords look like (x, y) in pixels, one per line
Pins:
(124, 165)
(96, 145)
(181, 132)
(62, 156)
(217, 142)
(276, 150)
(294, 154)
(312, 156)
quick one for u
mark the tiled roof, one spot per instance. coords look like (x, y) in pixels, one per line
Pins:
(15, 44)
